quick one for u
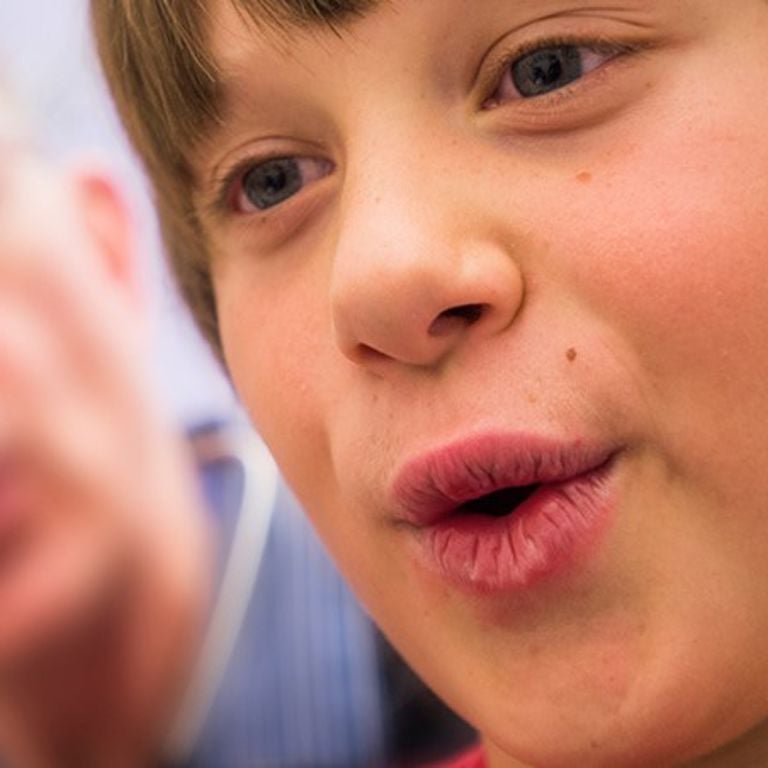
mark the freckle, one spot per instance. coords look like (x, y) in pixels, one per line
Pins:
(534, 650)
(584, 177)
(570, 354)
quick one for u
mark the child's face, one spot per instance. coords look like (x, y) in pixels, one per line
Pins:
(444, 288)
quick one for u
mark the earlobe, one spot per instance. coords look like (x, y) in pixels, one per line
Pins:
(109, 222)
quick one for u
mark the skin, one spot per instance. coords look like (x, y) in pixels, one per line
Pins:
(616, 235)
(103, 554)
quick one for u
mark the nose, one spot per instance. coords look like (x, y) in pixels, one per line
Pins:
(416, 277)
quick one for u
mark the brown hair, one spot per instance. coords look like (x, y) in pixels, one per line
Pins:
(165, 83)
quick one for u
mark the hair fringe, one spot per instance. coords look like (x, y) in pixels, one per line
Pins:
(165, 84)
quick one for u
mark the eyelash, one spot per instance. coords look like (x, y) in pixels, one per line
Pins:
(490, 83)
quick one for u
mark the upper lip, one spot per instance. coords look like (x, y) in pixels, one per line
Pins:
(437, 482)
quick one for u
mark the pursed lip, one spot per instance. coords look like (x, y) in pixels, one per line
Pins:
(498, 513)
(438, 482)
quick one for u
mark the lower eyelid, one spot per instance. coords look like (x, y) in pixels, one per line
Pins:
(269, 231)
(605, 91)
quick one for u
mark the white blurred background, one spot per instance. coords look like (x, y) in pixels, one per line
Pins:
(46, 54)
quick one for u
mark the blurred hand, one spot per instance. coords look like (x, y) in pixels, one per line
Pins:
(103, 551)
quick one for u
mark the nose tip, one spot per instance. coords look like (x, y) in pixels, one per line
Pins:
(419, 265)
(420, 317)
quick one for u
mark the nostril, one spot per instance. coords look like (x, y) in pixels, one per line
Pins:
(449, 319)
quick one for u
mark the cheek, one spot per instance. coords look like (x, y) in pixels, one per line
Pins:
(693, 286)
(675, 225)
(678, 269)
(296, 387)
(275, 344)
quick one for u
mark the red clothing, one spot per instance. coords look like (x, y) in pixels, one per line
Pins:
(475, 758)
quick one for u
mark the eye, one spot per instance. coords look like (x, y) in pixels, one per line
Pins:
(274, 181)
(547, 69)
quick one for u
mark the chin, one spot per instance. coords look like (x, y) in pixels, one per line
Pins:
(670, 724)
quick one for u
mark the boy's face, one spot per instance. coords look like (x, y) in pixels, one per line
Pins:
(462, 274)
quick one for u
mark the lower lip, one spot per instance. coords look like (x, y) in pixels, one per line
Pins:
(549, 534)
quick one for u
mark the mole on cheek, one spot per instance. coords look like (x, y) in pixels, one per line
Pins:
(570, 354)
(584, 177)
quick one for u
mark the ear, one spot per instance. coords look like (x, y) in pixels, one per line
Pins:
(108, 221)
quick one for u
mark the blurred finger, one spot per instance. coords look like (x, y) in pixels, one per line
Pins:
(56, 580)
(70, 437)
(67, 278)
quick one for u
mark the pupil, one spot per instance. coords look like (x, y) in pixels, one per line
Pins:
(272, 182)
(547, 70)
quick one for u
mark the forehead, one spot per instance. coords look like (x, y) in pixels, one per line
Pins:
(277, 23)
(281, 24)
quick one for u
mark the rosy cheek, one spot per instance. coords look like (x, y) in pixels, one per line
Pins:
(279, 367)
(674, 266)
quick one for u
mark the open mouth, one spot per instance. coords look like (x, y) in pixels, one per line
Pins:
(499, 503)
(498, 513)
